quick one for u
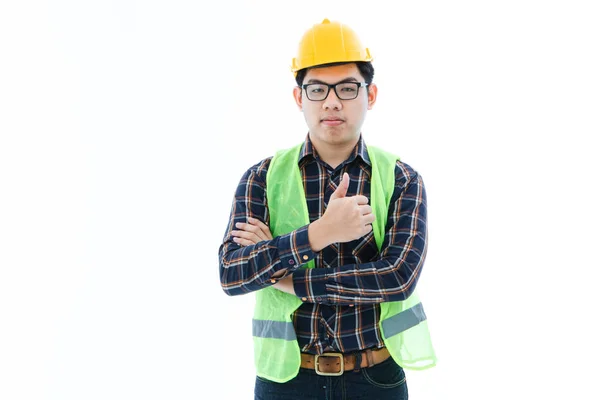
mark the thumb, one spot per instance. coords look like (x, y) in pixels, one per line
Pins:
(342, 188)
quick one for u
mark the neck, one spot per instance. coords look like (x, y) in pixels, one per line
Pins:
(333, 154)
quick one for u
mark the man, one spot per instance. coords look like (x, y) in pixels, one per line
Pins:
(331, 235)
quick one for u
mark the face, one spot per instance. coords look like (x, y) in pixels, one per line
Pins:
(333, 121)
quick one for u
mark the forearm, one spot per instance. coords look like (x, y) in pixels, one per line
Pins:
(380, 281)
(318, 235)
(250, 268)
(394, 276)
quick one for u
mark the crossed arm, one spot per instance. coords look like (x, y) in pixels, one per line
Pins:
(251, 259)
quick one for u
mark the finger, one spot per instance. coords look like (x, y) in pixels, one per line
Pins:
(360, 199)
(242, 242)
(247, 235)
(365, 209)
(342, 188)
(345, 182)
(249, 228)
(263, 230)
(259, 223)
(246, 227)
(369, 218)
(263, 227)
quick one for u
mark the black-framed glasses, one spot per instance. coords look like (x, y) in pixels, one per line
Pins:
(343, 90)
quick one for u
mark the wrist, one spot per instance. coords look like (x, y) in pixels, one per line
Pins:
(286, 285)
(317, 236)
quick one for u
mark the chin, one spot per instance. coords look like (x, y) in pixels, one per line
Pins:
(338, 137)
(333, 135)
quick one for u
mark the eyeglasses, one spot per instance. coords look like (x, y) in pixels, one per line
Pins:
(343, 90)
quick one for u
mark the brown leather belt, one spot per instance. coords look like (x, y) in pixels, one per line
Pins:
(334, 364)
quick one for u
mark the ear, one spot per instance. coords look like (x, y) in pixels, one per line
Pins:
(298, 97)
(372, 96)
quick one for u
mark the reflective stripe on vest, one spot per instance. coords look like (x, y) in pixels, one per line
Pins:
(403, 321)
(391, 326)
(273, 329)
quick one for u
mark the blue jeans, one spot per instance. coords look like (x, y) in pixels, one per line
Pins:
(384, 381)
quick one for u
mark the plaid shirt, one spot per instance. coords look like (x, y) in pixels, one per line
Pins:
(341, 295)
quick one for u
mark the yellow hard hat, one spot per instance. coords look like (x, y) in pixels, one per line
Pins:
(329, 42)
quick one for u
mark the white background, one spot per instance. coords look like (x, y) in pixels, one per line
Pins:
(125, 127)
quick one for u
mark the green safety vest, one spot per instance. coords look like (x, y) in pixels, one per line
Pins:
(403, 324)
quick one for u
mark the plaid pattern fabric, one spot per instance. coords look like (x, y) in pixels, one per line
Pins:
(341, 294)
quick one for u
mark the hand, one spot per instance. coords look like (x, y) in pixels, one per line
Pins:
(251, 233)
(347, 218)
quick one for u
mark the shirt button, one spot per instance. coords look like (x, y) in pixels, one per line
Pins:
(304, 299)
(319, 298)
(305, 257)
(351, 305)
(291, 262)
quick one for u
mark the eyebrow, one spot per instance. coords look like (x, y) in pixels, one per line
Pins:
(325, 83)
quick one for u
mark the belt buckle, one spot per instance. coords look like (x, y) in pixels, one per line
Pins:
(339, 355)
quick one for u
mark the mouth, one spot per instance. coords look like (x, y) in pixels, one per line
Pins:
(332, 121)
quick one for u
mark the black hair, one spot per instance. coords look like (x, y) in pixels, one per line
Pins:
(365, 67)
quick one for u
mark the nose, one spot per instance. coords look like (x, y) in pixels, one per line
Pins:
(332, 101)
